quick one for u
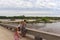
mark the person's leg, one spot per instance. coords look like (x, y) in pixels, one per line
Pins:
(24, 33)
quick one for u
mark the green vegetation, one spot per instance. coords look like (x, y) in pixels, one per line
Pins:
(38, 19)
(46, 20)
(24, 17)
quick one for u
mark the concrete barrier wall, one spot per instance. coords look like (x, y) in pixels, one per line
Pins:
(44, 35)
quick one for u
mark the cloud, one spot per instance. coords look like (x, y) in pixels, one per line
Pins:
(30, 5)
(46, 3)
(26, 13)
(48, 7)
(53, 4)
(15, 3)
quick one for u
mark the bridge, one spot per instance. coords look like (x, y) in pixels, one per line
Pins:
(31, 33)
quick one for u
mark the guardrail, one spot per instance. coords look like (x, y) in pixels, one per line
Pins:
(34, 32)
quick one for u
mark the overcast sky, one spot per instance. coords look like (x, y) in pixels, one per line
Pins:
(30, 7)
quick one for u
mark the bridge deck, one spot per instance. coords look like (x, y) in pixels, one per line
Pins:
(6, 34)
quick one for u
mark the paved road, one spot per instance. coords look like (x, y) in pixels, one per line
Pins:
(6, 34)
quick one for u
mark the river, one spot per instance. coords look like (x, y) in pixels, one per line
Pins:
(48, 27)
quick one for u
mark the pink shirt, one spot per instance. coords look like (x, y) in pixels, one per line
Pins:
(16, 36)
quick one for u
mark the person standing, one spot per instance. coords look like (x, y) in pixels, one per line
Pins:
(16, 34)
(23, 28)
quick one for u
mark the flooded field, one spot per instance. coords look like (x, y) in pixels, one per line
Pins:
(48, 27)
(53, 27)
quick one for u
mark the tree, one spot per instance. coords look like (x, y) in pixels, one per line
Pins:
(45, 20)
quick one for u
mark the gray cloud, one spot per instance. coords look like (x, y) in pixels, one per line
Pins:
(28, 3)
(48, 7)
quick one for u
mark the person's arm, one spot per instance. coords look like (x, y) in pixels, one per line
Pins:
(18, 25)
(18, 34)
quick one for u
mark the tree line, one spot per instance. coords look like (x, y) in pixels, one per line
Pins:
(24, 17)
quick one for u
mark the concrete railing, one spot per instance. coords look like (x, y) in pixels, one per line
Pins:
(44, 35)
(34, 32)
(8, 26)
